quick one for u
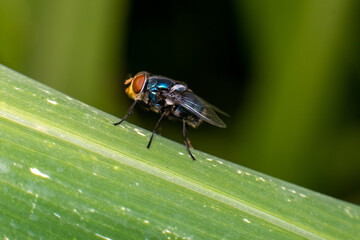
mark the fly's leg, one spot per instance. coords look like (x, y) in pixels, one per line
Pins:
(128, 113)
(156, 126)
(186, 139)
(189, 143)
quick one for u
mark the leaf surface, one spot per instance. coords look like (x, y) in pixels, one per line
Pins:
(67, 172)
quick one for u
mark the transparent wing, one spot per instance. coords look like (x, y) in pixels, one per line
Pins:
(200, 108)
(216, 109)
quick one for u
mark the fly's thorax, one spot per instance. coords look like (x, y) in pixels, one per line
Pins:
(137, 85)
(157, 90)
(159, 83)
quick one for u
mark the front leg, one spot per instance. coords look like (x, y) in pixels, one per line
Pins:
(128, 113)
(165, 113)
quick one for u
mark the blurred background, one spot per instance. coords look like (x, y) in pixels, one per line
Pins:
(286, 71)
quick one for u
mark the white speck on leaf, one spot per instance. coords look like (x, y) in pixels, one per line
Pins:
(125, 209)
(44, 90)
(246, 220)
(139, 132)
(101, 236)
(260, 179)
(303, 195)
(37, 172)
(166, 231)
(52, 101)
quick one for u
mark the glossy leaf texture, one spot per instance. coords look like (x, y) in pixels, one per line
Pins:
(67, 172)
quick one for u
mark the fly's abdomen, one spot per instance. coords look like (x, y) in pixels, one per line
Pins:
(180, 112)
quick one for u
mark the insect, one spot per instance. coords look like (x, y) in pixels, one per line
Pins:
(172, 99)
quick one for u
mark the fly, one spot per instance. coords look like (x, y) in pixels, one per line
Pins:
(172, 99)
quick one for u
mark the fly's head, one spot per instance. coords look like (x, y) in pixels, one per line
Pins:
(137, 85)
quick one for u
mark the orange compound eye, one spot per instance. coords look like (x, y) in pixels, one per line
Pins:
(138, 83)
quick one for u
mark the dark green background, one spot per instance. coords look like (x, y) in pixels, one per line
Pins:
(286, 71)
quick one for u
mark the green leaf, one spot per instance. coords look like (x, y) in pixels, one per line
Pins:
(67, 172)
